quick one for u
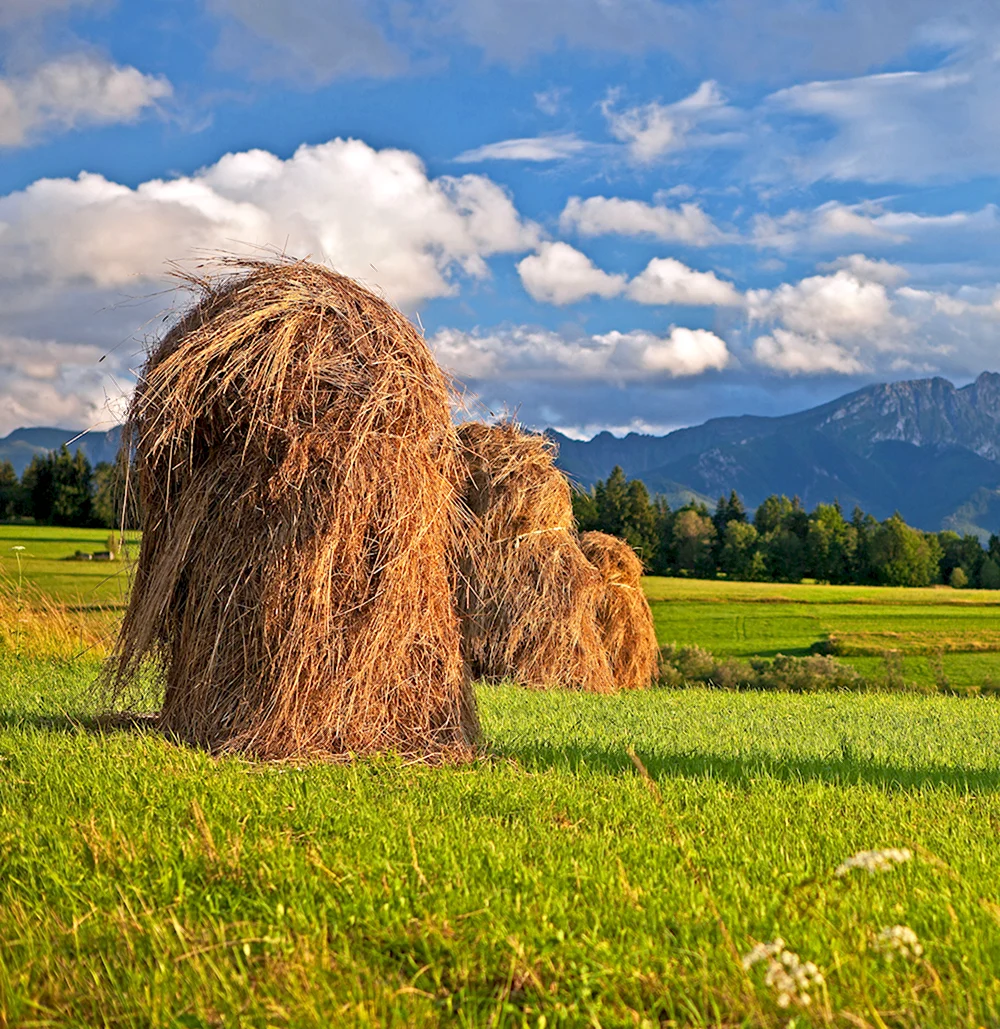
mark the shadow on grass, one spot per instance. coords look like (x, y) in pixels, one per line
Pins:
(841, 767)
(71, 724)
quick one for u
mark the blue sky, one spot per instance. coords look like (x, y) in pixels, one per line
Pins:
(625, 214)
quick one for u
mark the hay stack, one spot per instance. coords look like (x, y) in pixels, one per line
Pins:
(529, 597)
(623, 612)
(298, 478)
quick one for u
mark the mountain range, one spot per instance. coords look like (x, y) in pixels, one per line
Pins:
(23, 444)
(924, 448)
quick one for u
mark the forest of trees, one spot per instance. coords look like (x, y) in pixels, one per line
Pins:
(61, 488)
(783, 542)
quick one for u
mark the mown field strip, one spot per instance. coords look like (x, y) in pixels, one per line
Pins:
(732, 619)
(745, 620)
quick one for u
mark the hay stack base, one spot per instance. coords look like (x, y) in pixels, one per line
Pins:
(530, 596)
(623, 611)
(298, 478)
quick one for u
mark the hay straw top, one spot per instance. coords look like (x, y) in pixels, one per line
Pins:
(612, 557)
(277, 348)
(505, 461)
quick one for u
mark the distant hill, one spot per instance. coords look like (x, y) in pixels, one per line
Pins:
(22, 445)
(924, 448)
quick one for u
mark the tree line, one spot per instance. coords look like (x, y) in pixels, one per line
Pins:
(783, 542)
(61, 488)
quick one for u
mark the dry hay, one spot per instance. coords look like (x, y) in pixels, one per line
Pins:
(297, 473)
(623, 612)
(529, 595)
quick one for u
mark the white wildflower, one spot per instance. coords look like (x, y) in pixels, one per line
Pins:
(787, 974)
(901, 940)
(17, 548)
(872, 861)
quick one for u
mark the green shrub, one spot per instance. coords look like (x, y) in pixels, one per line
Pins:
(813, 674)
(810, 674)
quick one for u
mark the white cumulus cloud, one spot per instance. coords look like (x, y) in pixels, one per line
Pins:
(73, 252)
(796, 354)
(72, 91)
(861, 318)
(867, 269)
(843, 322)
(561, 274)
(524, 353)
(843, 305)
(605, 216)
(373, 214)
(665, 280)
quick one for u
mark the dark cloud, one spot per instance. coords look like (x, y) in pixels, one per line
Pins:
(586, 409)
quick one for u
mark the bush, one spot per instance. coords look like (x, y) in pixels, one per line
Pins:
(816, 673)
(959, 580)
(692, 662)
(807, 674)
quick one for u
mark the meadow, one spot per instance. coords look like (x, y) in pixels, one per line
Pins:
(606, 861)
(957, 630)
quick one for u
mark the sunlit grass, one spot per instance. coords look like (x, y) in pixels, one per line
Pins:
(763, 619)
(43, 564)
(146, 884)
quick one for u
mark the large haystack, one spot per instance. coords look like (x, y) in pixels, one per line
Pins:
(529, 597)
(297, 471)
(623, 612)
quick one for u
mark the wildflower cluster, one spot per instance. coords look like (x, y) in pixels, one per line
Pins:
(899, 940)
(789, 976)
(872, 861)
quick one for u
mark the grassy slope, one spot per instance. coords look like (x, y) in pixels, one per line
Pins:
(143, 884)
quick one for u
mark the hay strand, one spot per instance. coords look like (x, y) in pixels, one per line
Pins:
(297, 473)
(623, 612)
(529, 595)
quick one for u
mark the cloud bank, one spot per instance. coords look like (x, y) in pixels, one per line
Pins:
(72, 250)
(524, 353)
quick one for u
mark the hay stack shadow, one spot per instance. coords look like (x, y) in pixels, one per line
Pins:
(297, 471)
(528, 596)
(623, 612)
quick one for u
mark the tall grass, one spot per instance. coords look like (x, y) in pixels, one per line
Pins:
(35, 626)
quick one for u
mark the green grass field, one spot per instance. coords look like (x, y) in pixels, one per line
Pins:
(42, 565)
(743, 619)
(550, 883)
